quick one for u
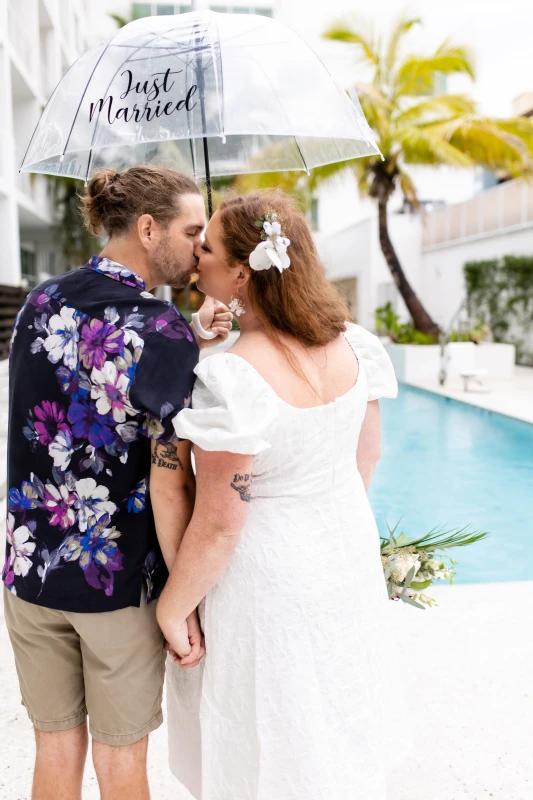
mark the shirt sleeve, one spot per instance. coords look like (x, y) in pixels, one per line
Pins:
(163, 382)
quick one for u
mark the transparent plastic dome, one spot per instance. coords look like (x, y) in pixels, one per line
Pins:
(243, 89)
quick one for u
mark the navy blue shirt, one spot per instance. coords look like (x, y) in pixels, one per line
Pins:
(98, 368)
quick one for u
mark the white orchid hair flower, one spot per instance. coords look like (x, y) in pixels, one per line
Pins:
(272, 251)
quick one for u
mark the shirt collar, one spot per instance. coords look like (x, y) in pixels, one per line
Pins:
(116, 271)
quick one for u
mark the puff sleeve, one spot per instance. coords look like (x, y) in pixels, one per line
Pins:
(232, 410)
(375, 361)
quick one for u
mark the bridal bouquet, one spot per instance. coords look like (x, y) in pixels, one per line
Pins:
(411, 565)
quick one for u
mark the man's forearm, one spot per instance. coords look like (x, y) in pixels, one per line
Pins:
(172, 510)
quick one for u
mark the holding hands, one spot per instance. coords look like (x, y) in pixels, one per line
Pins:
(185, 641)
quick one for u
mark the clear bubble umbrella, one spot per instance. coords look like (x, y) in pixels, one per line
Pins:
(203, 92)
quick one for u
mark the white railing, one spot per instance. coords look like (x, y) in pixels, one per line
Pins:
(21, 34)
(3, 155)
(508, 205)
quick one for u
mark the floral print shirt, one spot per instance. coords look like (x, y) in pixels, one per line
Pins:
(98, 368)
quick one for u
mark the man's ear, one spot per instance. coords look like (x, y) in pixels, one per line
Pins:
(148, 230)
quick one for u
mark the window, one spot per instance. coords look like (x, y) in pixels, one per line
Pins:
(141, 10)
(47, 263)
(161, 9)
(28, 267)
(314, 213)
(264, 12)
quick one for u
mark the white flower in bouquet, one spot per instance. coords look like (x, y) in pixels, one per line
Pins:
(402, 557)
(402, 564)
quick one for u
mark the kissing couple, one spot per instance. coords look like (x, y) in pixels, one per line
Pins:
(254, 574)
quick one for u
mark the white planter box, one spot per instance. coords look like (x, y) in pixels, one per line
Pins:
(414, 363)
(498, 359)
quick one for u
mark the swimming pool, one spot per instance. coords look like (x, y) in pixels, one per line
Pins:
(445, 463)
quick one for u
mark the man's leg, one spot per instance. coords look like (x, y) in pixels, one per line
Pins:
(124, 666)
(121, 770)
(59, 763)
(50, 671)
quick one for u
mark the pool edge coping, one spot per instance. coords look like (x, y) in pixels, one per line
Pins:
(467, 403)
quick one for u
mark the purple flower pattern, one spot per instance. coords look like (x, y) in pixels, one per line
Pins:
(88, 428)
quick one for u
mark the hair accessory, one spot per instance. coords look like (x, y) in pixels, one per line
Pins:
(235, 305)
(272, 251)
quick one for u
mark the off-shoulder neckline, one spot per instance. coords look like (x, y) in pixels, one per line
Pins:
(344, 396)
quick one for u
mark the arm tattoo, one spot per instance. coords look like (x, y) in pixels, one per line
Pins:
(165, 454)
(243, 485)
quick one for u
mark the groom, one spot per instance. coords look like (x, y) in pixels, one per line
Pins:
(99, 367)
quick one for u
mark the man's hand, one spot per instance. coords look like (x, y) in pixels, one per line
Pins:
(188, 647)
(215, 317)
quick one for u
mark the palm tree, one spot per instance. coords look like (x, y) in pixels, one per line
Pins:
(415, 124)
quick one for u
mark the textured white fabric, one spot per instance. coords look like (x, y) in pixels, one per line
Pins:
(230, 412)
(375, 360)
(289, 701)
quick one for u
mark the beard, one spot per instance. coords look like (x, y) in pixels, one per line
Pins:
(175, 270)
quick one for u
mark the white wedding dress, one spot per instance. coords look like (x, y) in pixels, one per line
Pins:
(288, 702)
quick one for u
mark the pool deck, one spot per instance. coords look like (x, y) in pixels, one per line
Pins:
(513, 398)
(469, 665)
(469, 681)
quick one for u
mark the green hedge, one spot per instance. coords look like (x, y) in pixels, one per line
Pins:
(500, 295)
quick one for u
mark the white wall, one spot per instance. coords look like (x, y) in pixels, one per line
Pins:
(39, 39)
(442, 281)
(355, 252)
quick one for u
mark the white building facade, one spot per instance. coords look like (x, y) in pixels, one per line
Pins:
(39, 40)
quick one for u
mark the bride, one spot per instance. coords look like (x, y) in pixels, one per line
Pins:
(282, 552)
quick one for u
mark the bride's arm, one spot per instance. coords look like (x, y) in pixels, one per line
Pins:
(369, 445)
(223, 485)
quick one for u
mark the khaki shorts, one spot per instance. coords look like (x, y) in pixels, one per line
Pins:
(108, 666)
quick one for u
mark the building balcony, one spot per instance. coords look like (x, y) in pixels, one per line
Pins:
(23, 35)
(506, 207)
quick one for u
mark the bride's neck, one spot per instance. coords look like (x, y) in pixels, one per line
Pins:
(248, 322)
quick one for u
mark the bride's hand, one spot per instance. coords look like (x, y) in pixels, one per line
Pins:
(215, 318)
(177, 636)
(196, 645)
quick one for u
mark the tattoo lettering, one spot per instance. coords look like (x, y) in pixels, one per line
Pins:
(166, 455)
(243, 485)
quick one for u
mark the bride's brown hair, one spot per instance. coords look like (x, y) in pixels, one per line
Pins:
(299, 302)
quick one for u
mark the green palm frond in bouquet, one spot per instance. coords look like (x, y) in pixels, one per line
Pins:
(412, 565)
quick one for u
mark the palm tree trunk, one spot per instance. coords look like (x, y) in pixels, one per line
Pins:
(420, 317)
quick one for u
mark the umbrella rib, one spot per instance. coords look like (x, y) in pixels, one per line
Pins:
(301, 155)
(221, 110)
(83, 96)
(153, 34)
(127, 61)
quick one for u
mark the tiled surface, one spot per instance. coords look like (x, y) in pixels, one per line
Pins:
(514, 397)
(468, 666)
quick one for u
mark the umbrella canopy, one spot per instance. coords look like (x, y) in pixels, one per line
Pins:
(245, 90)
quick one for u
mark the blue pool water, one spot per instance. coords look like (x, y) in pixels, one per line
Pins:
(445, 463)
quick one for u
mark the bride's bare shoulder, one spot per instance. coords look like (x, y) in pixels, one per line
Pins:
(254, 348)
